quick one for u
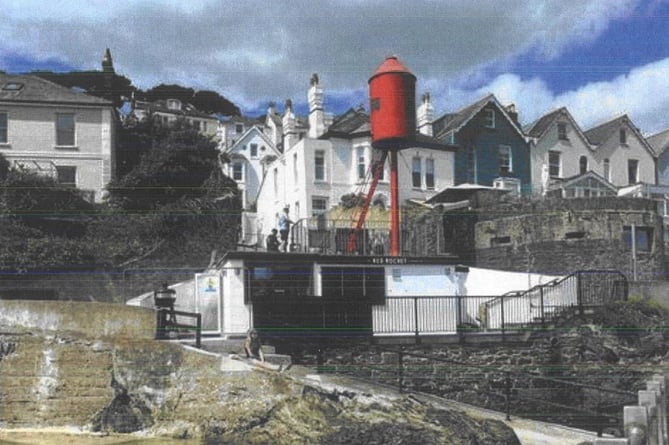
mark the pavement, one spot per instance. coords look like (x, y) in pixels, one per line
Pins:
(529, 432)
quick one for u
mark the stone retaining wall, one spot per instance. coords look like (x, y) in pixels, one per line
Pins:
(96, 320)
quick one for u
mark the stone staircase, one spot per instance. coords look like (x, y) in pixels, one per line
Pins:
(53, 381)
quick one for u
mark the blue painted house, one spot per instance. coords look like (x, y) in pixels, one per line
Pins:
(493, 148)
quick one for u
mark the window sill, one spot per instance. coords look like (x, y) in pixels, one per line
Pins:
(5, 145)
(67, 147)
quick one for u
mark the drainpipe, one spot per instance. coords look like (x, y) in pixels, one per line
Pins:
(634, 251)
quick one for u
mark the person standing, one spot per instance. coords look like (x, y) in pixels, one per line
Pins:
(284, 228)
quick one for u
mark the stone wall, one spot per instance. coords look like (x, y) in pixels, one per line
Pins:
(79, 364)
(570, 236)
(93, 320)
(476, 374)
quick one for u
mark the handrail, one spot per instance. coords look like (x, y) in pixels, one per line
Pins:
(166, 322)
(555, 282)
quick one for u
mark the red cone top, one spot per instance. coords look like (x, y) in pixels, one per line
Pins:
(391, 65)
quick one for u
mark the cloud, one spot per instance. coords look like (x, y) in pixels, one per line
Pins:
(642, 94)
(253, 52)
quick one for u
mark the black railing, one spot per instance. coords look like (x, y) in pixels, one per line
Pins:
(512, 391)
(331, 236)
(513, 311)
(169, 325)
(579, 291)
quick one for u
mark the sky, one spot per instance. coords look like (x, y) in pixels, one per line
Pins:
(599, 58)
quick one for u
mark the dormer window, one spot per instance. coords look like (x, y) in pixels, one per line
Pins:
(174, 104)
(489, 118)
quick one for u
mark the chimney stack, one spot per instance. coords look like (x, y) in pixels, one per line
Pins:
(513, 114)
(289, 133)
(425, 115)
(316, 114)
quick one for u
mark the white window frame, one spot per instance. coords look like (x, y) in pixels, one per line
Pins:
(233, 168)
(317, 210)
(319, 165)
(4, 127)
(360, 163)
(429, 173)
(562, 131)
(296, 175)
(59, 131)
(70, 169)
(416, 174)
(505, 156)
(582, 169)
(559, 164)
(607, 169)
(254, 151)
(489, 118)
(636, 171)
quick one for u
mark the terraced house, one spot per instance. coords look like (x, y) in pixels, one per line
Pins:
(57, 131)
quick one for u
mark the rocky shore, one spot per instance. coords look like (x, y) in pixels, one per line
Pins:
(116, 384)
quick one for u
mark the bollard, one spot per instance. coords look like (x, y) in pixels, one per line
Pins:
(664, 383)
(650, 399)
(636, 424)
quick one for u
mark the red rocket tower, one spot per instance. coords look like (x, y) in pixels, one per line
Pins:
(392, 96)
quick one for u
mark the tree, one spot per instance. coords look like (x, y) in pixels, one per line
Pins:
(134, 139)
(350, 200)
(40, 202)
(177, 165)
(168, 91)
(206, 100)
(213, 103)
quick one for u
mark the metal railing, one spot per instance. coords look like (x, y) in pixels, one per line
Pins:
(169, 324)
(579, 290)
(514, 392)
(330, 236)
(538, 306)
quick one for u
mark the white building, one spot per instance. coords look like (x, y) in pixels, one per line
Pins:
(57, 132)
(167, 112)
(334, 159)
(614, 150)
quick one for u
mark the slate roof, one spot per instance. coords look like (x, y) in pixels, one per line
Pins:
(33, 89)
(248, 121)
(600, 133)
(352, 123)
(453, 121)
(659, 141)
(539, 127)
(300, 121)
